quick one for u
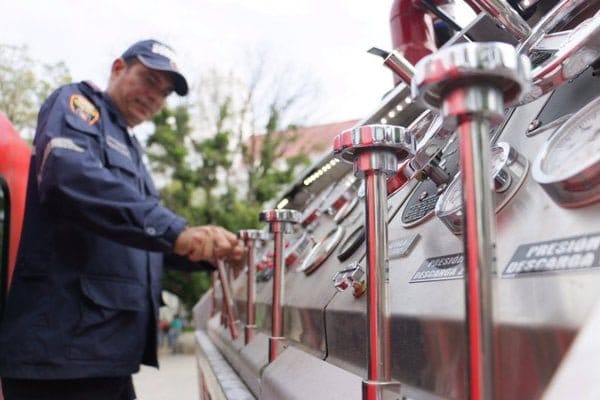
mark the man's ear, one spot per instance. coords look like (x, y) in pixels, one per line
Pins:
(118, 66)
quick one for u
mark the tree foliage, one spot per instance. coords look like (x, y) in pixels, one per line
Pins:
(25, 84)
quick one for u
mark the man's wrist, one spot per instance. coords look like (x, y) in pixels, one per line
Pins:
(174, 230)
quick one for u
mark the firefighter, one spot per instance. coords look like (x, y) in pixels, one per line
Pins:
(81, 314)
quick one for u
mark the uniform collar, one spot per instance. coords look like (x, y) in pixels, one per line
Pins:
(115, 114)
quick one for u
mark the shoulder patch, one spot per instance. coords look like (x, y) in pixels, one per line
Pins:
(84, 108)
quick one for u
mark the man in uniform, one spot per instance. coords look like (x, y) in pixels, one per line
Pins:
(82, 309)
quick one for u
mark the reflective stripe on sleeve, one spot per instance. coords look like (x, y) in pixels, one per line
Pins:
(57, 143)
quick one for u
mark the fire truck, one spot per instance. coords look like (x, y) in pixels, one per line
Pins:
(14, 166)
(15, 155)
(448, 246)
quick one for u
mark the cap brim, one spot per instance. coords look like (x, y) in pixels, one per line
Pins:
(180, 84)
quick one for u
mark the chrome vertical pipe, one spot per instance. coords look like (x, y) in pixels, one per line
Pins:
(213, 295)
(378, 296)
(227, 298)
(479, 241)
(375, 151)
(471, 84)
(278, 284)
(250, 328)
(280, 222)
(250, 237)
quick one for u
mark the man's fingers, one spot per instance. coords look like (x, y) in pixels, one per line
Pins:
(229, 236)
(201, 252)
(238, 252)
(222, 244)
(209, 242)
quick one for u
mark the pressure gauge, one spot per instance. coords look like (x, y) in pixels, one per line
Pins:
(568, 165)
(449, 206)
(362, 190)
(321, 251)
(309, 219)
(508, 171)
(345, 202)
(342, 213)
(298, 249)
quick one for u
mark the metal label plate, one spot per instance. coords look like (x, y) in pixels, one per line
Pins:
(402, 247)
(561, 255)
(440, 268)
(421, 204)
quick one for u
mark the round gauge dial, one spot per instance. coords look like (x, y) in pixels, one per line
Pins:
(321, 251)
(297, 249)
(568, 166)
(576, 145)
(362, 190)
(498, 159)
(449, 206)
(508, 171)
(345, 210)
(451, 200)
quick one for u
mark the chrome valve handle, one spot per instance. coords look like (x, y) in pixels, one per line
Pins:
(374, 148)
(568, 52)
(227, 298)
(252, 238)
(280, 222)
(471, 84)
(475, 65)
(375, 151)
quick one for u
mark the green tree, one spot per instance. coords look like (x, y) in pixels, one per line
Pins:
(168, 154)
(25, 83)
(254, 110)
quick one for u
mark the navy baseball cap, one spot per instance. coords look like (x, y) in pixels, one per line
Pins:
(156, 55)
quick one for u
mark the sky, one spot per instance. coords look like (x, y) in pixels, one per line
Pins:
(324, 39)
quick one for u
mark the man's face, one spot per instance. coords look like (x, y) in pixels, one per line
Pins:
(138, 91)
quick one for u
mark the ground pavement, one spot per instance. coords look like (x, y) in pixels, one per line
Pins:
(175, 380)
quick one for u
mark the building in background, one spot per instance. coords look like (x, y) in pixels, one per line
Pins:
(311, 141)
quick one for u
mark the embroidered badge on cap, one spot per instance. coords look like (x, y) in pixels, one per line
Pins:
(81, 106)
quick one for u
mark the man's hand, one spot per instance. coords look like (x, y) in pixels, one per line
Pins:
(207, 243)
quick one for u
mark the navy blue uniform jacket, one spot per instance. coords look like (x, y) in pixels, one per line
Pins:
(86, 289)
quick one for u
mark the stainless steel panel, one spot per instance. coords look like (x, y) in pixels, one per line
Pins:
(535, 317)
(311, 379)
(544, 324)
(577, 377)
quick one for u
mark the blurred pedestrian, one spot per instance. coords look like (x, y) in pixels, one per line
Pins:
(163, 332)
(175, 330)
